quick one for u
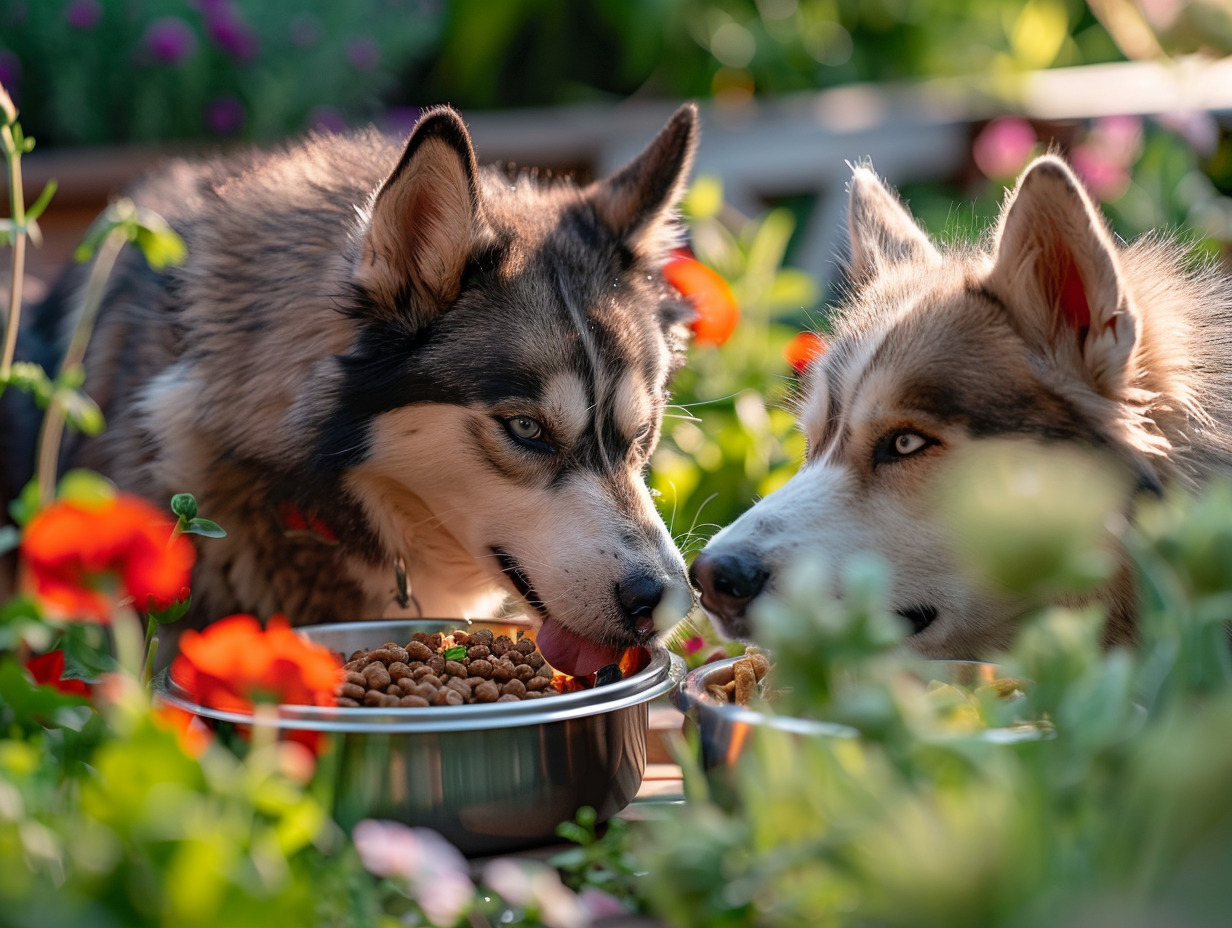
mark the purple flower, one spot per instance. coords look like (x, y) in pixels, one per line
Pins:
(326, 119)
(1197, 127)
(363, 54)
(10, 70)
(1003, 146)
(83, 14)
(225, 115)
(228, 30)
(435, 871)
(169, 40)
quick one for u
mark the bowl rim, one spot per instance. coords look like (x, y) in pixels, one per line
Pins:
(662, 675)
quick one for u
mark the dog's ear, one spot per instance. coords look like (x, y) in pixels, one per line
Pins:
(882, 233)
(1056, 268)
(424, 219)
(637, 202)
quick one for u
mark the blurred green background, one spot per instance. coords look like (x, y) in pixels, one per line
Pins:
(209, 72)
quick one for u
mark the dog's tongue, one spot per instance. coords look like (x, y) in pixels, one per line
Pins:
(570, 653)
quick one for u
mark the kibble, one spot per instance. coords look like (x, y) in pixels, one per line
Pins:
(748, 676)
(482, 667)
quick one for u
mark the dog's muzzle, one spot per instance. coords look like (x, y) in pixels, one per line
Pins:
(728, 582)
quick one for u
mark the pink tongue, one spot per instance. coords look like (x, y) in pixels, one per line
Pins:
(570, 653)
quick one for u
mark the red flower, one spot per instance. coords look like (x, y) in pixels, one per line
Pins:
(803, 350)
(48, 670)
(235, 663)
(82, 557)
(712, 297)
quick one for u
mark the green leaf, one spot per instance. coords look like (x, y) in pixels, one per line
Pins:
(704, 199)
(82, 413)
(36, 208)
(160, 244)
(455, 654)
(793, 289)
(205, 527)
(85, 487)
(32, 379)
(27, 704)
(26, 505)
(86, 654)
(184, 505)
(10, 538)
(172, 613)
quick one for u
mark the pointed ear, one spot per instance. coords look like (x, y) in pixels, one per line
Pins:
(637, 202)
(423, 219)
(1057, 270)
(881, 231)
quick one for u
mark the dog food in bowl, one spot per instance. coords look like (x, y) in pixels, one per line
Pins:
(460, 668)
(748, 680)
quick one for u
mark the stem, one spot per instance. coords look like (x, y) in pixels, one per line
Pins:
(151, 648)
(18, 205)
(52, 431)
(126, 632)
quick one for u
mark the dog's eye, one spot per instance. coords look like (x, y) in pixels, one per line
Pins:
(901, 443)
(525, 430)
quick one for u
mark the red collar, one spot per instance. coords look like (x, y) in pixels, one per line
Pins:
(298, 523)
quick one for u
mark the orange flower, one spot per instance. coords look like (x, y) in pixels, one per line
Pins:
(712, 297)
(803, 350)
(82, 557)
(235, 663)
(48, 670)
(190, 731)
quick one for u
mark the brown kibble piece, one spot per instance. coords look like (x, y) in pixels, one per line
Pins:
(478, 652)
(483, 636)
(524, 672)
(419, 671)
(354, 666)
(761, 664)
(457, 683)
(414, 701)
(535, 660)
(377, 675)
(746, 681)
(356, 678)
(431, 679)
(398, 670)
(437, 663)
(545, 671)
(461, 639)
(418, 651)
(448, 696)
(525, 645)
(475, 681)
(537, 683)
(481, 668)
(487, 691)
(503, 670)
(394, 689)
(347, 703)
(509, 697)
(351, 690)
(455, 669)
(501, 644)
(373, 698)
(514, 688)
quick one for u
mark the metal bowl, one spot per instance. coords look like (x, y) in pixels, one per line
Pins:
(724, 728)
(490, 777)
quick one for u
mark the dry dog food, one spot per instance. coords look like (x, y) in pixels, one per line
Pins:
(446, 670)
(748, 674)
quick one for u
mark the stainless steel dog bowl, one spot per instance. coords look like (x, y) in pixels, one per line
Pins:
(724, 729)
(489, 777)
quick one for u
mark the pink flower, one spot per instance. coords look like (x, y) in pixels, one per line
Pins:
(529, 884)
(1003, 147)
(83, 14)
(1104, 176)
(435, 872)
(169, 40)
(694, 644)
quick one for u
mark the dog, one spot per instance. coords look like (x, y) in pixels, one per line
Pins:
(1053, 334)
(404, 384)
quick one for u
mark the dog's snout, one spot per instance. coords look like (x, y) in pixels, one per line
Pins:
(640, 595)
(727, 581)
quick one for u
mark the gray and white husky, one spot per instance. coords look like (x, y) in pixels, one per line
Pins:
(384, 362)
(1054, 335)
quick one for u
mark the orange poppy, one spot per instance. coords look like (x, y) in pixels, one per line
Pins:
(235, 663)
(80, 558)
(711, 296)
(803, 350)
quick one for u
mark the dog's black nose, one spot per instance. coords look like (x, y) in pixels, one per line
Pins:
(639, 595)
(727, 582)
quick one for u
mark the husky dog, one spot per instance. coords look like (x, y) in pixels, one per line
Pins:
(1055, 334)
(405, 384)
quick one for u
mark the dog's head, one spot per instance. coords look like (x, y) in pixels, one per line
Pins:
(507, 388)
(1035, 339)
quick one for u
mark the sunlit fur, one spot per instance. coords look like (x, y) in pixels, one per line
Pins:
(355, 321)
(965, 344)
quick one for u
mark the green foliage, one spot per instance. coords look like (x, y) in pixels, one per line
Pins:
(1099, 789)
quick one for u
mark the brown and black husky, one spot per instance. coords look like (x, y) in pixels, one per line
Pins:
(381, 360)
